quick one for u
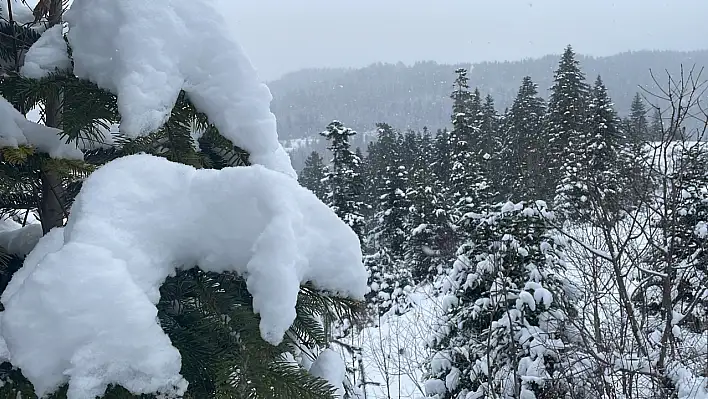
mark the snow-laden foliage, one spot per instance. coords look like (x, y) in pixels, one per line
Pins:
(314, 174)
(82, 309)
(565, 121)
(16, 130)
(329, 366)
(344, 180)
(47, 55)
(118, 45)
(507, 307)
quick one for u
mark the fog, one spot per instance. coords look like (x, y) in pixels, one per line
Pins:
(285, 35)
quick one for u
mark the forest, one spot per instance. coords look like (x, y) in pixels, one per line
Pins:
(156, 241)
(564, 240)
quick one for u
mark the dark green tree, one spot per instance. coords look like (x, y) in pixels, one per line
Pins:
(468, 181)
(344, 178)
(524, 147)
(313, 175)
(430, 237)
(593, 187)
(388, 234)
(565, 122)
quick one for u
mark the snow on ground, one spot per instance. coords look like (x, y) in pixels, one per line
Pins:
(395, 353)
(66, 320)
(15, 131)
(118, 45)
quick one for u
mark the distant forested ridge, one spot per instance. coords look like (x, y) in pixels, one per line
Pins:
(414, 96)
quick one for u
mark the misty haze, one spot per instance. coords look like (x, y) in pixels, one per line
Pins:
(353, 199)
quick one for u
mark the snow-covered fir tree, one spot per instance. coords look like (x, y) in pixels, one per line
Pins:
(506, 302)
(147, 323)
(522, 157)
(344, 179)
(593, 186)
(387, 237)
(489, 144)
(565, 123)
(314, 174)
(638, 135)
(469, 184)
(429, 233)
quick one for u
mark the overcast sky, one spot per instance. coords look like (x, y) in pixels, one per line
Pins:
(285, 35)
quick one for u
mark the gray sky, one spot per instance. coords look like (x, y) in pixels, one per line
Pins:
(285, 35)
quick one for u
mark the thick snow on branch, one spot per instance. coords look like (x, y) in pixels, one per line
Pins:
(147, 51)
(16, 130)
(47, 55)
(329, 366)
(19, 240)
(82, 308)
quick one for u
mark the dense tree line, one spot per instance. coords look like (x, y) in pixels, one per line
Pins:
(489, 211)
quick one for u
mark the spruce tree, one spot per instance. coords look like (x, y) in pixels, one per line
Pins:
(638, 135)
(489, 146)
(565, 122)
(313, 175)
(428, 226)
(506, 307)
(461, 181)
(524, 144)
(208, 317)
(344, 178)
(468, 180)
(388, 234)
(442, 156)
(637, 126)
(593, 188)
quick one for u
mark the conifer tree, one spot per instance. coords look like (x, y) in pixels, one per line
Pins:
(314, 174)
(468, 181)
(638, 135)
(442, 157)
(459, 139)
(429, 232)
(565, 122)
(388, 234)
(637, 126)
(200, 312)
(506, 306)
(524, 144)
(593, 188)
(488, 154)
(344, 178)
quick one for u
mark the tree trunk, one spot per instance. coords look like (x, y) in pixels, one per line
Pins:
(52, 209)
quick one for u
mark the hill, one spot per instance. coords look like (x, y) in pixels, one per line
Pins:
(413, 96)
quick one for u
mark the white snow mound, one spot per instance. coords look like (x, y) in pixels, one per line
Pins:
(16, 130)
(119, 46)
(329, 366)
(82, 308)
(47, 55)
